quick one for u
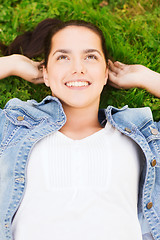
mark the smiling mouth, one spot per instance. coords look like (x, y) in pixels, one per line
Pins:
(77, 84)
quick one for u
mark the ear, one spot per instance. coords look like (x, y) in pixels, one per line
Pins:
(45, 76)
(106, 76)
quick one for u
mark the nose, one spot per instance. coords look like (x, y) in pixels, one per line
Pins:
(78, 67)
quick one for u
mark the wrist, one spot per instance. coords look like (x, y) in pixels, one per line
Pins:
(146, 76)
(15, 62)
(151, 82)
(7, 66)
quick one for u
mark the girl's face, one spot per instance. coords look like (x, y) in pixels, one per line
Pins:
(76, 71)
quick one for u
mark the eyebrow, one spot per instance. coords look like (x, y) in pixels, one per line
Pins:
(61, 51)
(69, 51)
(92, 50)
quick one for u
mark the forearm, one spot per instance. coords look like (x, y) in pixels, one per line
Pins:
(151, 82)
(130, 76)
(7, 67)
(21, 66)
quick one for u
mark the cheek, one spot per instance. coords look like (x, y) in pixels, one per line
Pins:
(59, 71)
(57, 78)
(99, 74)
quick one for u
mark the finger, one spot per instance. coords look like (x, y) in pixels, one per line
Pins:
(114, 80)
(112, 67)
(41, 64)
(112, 76)
(38, 74)
(119, 65)
(114, 85)
(38, 81)
(38, 64)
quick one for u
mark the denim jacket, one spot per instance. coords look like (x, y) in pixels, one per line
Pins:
(22, 124)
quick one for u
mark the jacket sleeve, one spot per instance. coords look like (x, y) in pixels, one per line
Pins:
(2, 124)
(157, 125)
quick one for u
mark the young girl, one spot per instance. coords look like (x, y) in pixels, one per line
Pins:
(69, 170)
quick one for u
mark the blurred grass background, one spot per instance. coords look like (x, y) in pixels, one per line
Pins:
(131, 29)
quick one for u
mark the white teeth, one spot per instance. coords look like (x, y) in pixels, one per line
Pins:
(77, 84)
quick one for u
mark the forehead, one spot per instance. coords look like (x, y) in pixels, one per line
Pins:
(76, 36)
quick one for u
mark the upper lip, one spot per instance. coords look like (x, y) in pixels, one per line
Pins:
(78, 80)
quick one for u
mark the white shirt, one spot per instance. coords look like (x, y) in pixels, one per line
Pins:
(81, 189)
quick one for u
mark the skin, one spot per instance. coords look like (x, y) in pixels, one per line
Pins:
(76, 55)
(76, 62)
(120, 75)
(21, 66)
(129, 76)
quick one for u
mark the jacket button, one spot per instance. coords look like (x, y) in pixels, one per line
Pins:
(20, 118)
(19, 180)
(154, 131)
(153, 163)
(149, 205)
(128, 130)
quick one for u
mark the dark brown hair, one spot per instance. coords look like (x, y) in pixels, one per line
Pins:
(38, 41)
(31, 43)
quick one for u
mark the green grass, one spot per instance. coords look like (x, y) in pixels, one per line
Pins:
(132, 32)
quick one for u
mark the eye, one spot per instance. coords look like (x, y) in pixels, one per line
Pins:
(91, 56)
(62, 57)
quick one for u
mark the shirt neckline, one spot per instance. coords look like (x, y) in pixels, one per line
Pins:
(83, 139)
(107, 127)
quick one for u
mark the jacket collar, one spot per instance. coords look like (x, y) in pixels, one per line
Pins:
(49, 108)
